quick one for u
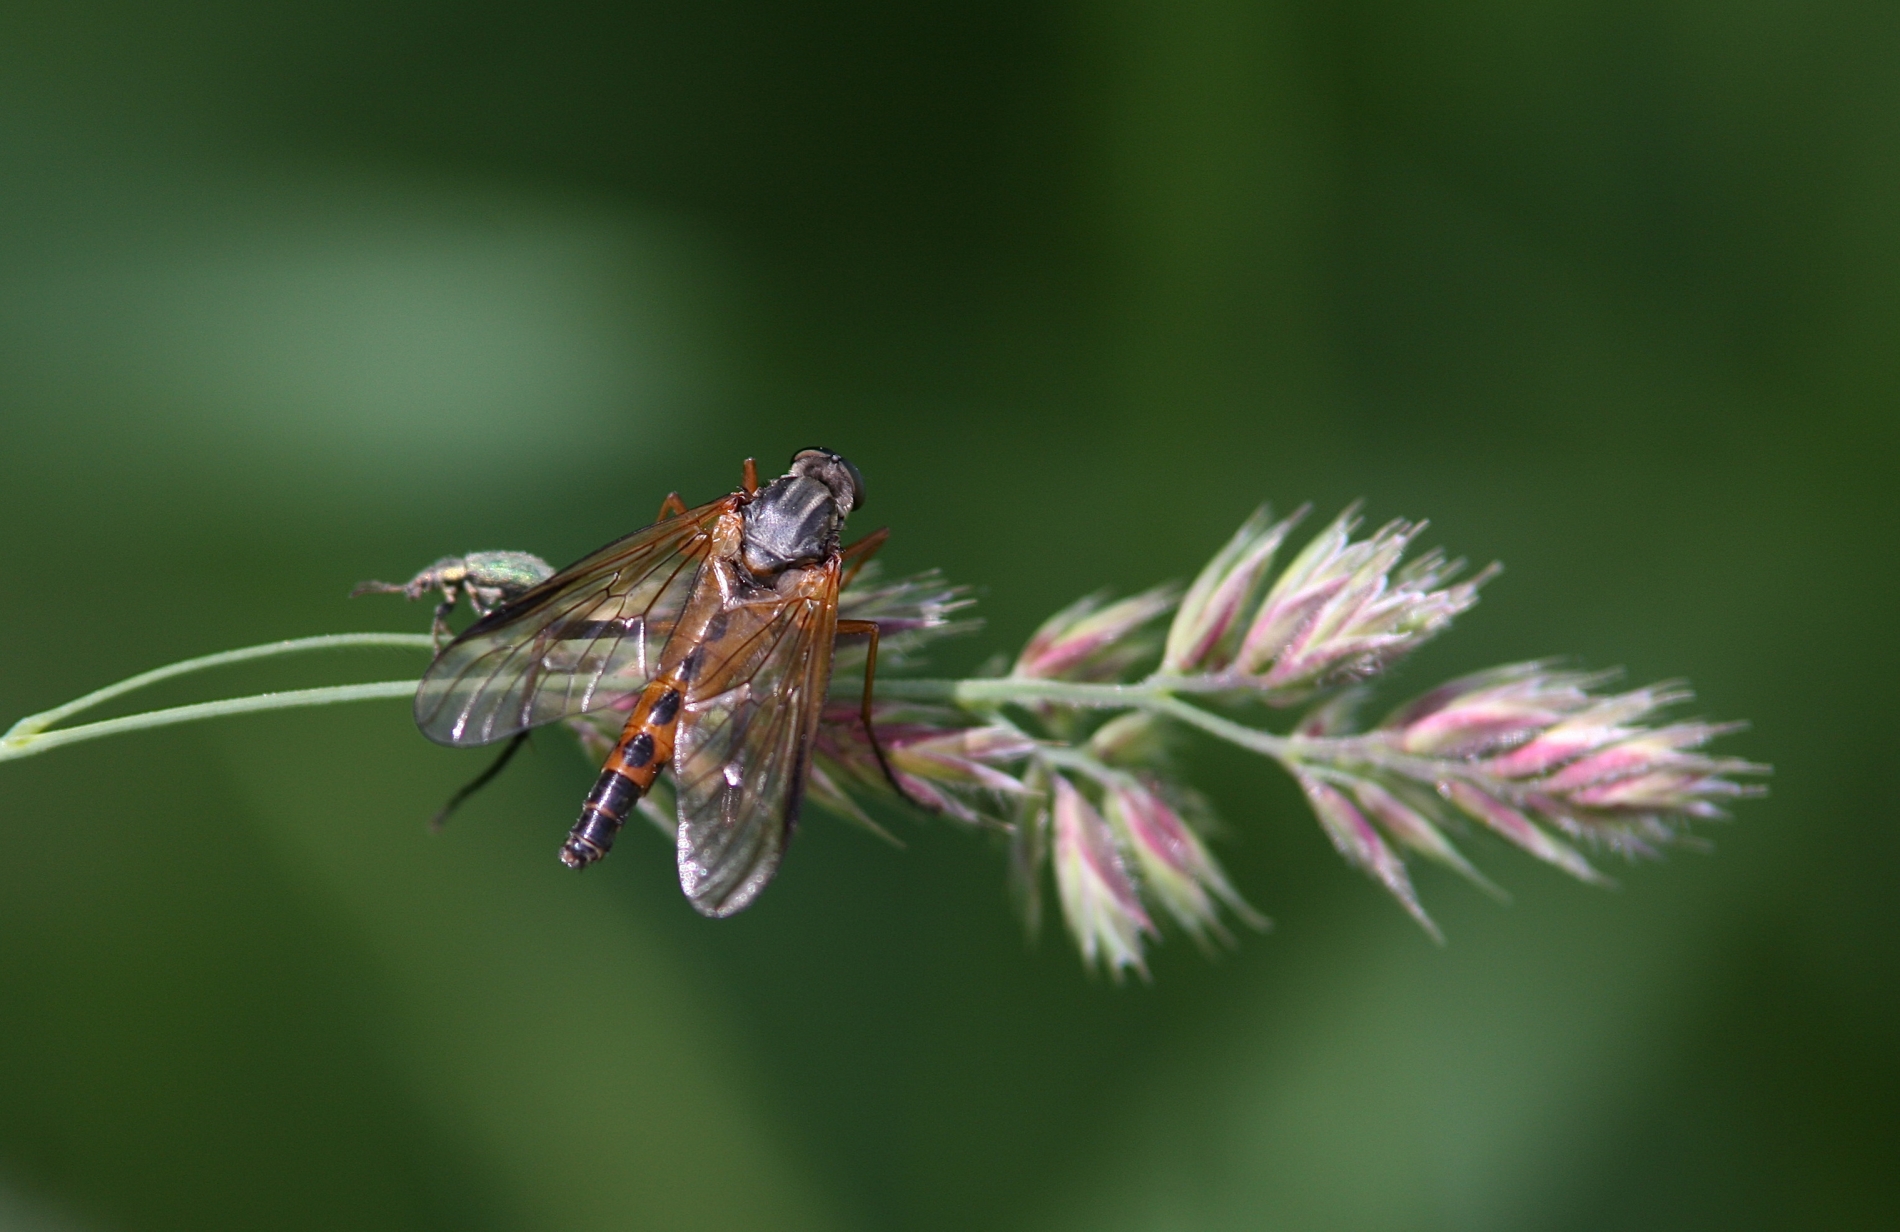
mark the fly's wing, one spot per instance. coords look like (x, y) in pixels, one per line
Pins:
(587, 637)
(746, 734)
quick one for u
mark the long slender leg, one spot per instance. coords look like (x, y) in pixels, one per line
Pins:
(672, 506)
(439, 627)
(750, 477)
(861, 551)
(869, 628)
(478, 782)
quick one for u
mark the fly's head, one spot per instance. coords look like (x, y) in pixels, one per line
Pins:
(836, 473)
(795, 519)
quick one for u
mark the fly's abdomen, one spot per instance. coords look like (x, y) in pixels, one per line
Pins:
(644, 748)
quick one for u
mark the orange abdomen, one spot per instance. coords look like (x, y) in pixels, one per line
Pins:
(643, 750)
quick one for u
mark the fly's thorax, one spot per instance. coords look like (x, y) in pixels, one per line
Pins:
(794, 520)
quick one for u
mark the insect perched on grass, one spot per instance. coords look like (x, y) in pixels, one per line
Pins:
(713, 630)
(489, 579)
(707, 641)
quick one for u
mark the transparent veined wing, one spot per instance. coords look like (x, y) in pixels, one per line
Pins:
(586, 638)
(752, 705)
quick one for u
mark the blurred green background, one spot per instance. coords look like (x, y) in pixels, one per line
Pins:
(297, 295)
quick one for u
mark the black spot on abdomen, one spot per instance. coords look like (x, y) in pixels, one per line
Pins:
(639, 751)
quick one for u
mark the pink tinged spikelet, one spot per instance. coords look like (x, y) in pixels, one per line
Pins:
(1473, 727)
(1357, 840)
(1340, 612)
(1690, 789)
(944, 774)
(1410, 829)
(1176, 867)
(947, 767)
(1516, 828)
(1351, 617)
(1215, 604)
(1656, 791)
(1303, 587)
(1355, 619)
(1086, 641)
(1099, 900)
(1640, 752)
(1602, 723)
(1605, 765)
(1528, 744)
(1496, 710)
(960, 759)
(940, 773)
(1537, 673)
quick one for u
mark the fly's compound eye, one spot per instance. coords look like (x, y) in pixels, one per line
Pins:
(857, 483)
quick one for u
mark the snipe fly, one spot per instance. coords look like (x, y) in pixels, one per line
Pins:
(713, 630)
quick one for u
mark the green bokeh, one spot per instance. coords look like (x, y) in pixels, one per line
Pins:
(294, 297)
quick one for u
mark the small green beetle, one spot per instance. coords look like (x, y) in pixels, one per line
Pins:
(489, 579)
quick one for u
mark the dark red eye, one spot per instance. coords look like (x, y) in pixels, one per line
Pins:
(857, 483)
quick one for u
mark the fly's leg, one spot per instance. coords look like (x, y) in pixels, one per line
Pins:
(749, 477)
(671, 507)
(869, 629)
(478, 782)
(861, 551)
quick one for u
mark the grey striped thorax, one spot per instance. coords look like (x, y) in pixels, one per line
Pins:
(794, 520)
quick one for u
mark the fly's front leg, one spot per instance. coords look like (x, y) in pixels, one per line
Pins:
(671, 507)
(749, 477)
(869, 628)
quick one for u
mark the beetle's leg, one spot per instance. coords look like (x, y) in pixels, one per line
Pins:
(750, 477)
(485, 599)
(861, 551)
(671, 507)
(478, 782)
(439, 627)
(869, 628)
